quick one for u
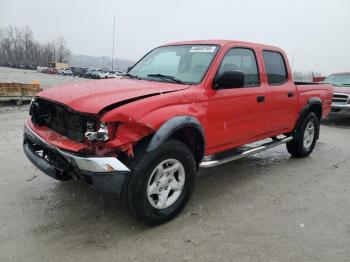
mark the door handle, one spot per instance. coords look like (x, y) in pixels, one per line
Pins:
(290, 93)
(260, 99)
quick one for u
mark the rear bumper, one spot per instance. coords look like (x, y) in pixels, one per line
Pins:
(343, 110)
(106, 174)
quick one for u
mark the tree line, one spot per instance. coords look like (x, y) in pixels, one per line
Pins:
(18, 47)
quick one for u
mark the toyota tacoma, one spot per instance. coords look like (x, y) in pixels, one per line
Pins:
(182, 107)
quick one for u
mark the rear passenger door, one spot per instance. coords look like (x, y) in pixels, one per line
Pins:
(283, 97)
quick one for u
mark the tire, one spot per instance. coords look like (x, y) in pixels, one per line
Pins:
(305, 138)
(155, 197)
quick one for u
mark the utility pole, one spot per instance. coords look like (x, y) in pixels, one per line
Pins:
(293, 60)
(113, 42)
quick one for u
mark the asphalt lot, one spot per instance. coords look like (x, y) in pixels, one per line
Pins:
(269, 207)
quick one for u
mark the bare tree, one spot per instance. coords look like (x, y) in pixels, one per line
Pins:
(62, 51)
(18, 46)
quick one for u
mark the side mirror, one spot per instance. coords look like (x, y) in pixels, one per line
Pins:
(129, 68)
(229, 79)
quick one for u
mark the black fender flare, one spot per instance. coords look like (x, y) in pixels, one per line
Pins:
(305, 111)
(171, 126)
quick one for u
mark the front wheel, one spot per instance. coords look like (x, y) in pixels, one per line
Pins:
(161, 183)
(305, 139)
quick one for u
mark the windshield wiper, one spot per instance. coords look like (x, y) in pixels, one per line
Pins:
(340, 85)
(132, 76)
(172, 78)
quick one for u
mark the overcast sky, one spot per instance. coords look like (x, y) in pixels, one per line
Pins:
(316, 33)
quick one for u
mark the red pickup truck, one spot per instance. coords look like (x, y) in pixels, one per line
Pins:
(183, 106)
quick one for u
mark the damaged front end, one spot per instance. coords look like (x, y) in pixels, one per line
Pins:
(116, 138)
(102, 134)
(95, 136)
(66, 144)
(105, 174)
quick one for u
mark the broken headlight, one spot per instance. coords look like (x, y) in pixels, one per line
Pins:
(105, 132)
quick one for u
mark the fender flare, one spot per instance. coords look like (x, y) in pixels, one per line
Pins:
(171, 126)
(303, 113)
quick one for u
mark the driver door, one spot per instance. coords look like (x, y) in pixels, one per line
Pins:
(237, 116)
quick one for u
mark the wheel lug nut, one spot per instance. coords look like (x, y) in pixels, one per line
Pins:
(160, 189)
(166, 188)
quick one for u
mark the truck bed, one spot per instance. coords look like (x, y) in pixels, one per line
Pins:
(309, 90)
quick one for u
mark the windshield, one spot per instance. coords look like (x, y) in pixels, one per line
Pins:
(338, 80)
(182, 63)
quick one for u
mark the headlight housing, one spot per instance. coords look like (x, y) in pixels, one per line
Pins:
(105, 132)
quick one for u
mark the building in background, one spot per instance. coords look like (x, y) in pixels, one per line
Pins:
(59, 65)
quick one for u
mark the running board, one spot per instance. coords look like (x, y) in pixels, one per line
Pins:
(208, 162)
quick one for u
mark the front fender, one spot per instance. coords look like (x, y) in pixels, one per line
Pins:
(171, 126)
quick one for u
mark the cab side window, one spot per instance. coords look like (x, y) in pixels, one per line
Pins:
(243, 60)
(275, 68)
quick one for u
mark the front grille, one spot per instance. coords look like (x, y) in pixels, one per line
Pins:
(341, 99)
(60, 119)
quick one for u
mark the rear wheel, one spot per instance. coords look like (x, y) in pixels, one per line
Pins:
(161, 183)
(305, 139)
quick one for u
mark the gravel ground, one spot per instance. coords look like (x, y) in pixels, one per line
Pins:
(269, 207)
(27, 76)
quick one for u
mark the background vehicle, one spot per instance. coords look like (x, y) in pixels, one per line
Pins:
(104, 74)
(116, 74)
(52, 71)
(79, 71)
(67, 72)
(181, 107)
(41, 69)
(341, 95)
(87, 73)
(95, 74)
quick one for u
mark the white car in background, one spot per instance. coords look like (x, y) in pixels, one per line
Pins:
(109, 74)
(116, 74)
(103, 74)
(65, 72)
(41, 69)
(341, 93)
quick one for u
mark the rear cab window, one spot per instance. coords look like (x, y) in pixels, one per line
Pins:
(275, 66)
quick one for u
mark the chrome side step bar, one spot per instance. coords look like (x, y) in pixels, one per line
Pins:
(210, 161)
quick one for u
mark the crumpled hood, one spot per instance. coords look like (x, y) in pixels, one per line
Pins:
(93, 96)
(341, 89)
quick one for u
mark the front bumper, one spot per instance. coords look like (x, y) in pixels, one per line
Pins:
(343, 110)
(106, 174)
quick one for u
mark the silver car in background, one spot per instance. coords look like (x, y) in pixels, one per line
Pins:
(341, 93)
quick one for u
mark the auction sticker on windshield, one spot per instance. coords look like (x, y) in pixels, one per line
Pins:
(202, 49)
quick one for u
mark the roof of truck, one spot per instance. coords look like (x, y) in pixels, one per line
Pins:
(341, 73)
(221, 42)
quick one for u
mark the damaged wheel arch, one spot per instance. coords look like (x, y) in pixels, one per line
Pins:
(185, 128)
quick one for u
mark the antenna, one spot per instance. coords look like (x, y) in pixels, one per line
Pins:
(113, 42)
